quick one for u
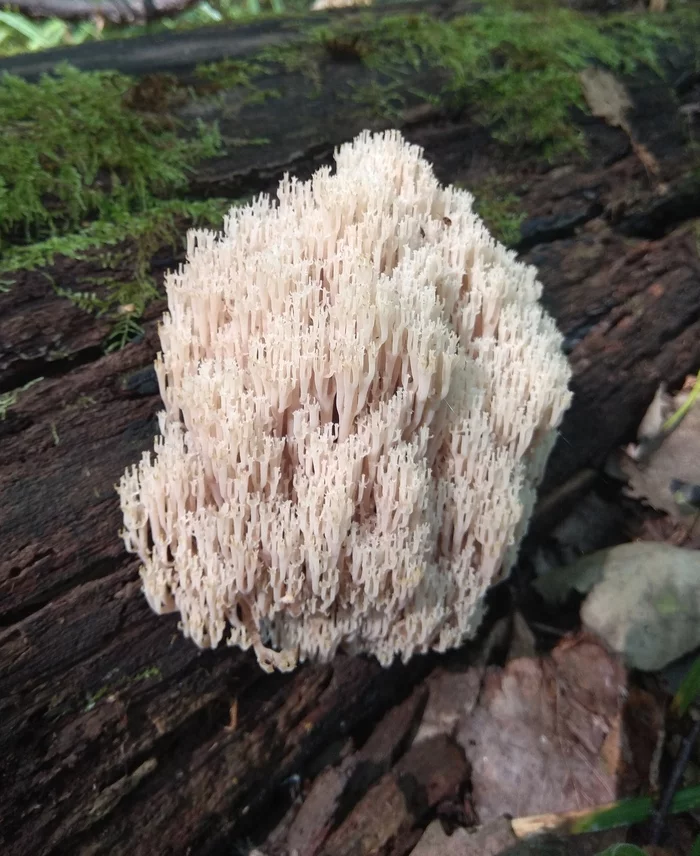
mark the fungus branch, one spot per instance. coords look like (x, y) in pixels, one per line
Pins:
(361, 391)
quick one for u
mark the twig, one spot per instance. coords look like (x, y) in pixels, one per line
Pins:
(673, 783)
(115, 11)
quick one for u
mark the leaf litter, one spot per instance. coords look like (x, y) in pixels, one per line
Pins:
(517, 749)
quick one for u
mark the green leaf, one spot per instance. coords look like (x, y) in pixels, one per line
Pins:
(696, 847)
(21, 25)
(50, 35)
(635, 810)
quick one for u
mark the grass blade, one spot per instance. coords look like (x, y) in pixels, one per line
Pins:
(688, 691)
(20, 25)
(631, 811)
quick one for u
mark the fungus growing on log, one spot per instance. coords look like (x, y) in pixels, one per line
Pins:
(361, 392)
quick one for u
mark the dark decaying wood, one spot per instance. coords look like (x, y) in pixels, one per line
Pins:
(118, 736)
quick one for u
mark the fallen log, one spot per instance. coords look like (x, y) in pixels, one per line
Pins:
(118, 736)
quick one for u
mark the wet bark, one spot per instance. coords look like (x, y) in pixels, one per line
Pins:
(118, 736)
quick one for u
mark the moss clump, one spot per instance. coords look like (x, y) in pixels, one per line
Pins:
(302, 57)
(74, 150)
(90, 160)
(155, 228)
(117, 682)
(135, 239)
(230, 74)
(9, 399)
(87, 162)
(500, 209)
(518, 69)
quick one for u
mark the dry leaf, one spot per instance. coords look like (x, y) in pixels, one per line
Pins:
(535, 739)
(647, 604)
(452, 696)
(660, 461)
(489, 840)
(608, 99)
(643, 599)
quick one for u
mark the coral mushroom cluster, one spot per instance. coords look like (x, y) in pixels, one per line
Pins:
(361, 391)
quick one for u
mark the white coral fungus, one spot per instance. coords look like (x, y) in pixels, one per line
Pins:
(361, 390)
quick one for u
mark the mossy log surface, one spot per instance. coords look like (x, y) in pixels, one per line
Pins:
(117, 736)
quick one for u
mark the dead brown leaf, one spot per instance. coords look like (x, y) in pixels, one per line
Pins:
(489, 840)
(452, 696)
(545, 736)
(673, 457)
(608, 99)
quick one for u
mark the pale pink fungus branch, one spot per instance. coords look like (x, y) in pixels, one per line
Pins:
(361, 391)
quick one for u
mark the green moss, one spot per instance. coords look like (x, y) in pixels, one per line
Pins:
(298, 57)
(294, 58)
(74, 150)
(90, 162)
(153, 226)
(500, 209)
(9, 399)
(381, 100)
(517, 69)
(145, 674)
(515, 63)
(116, 682)
(135, 239)
(230, 74)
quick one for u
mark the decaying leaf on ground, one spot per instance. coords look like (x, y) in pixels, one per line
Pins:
(608, 99)
(643, 601)
(663, 467)
(490, 840)
(555, 724)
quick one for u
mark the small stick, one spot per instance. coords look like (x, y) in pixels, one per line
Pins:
(661, 813)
